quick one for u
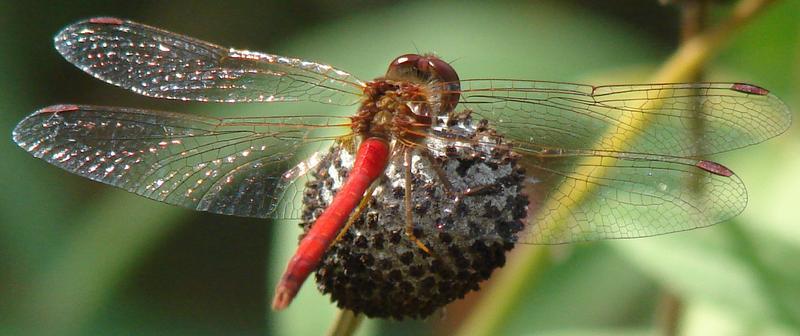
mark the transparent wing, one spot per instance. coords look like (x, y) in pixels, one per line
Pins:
(579, 196)
(623, 161)
(684, 120)
(230, 166)
(161, 64)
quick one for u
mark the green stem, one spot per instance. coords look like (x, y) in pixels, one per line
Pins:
(346, 323)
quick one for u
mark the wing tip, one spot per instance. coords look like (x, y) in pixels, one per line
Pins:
(106, 20)
(749, 89)
(80, 27)
(17, 135)
(52, 109)
(24, 127)
(714, 168)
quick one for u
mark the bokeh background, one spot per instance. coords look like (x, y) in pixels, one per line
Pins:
(77, 257)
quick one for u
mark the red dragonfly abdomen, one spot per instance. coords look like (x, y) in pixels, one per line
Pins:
(371, 159)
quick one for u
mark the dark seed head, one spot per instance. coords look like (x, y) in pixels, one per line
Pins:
(395, 275)
(415, 271)
(406, 258)
(372, 220)
(377, 241)
(361, 241)
(377, 268)
(395, 236)
(445, 237)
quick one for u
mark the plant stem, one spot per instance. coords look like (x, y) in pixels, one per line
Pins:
(503, 295)
(346, 323)
(668, 312)
(693, 22)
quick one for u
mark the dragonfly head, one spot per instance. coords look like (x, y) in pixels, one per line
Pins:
(431, 70)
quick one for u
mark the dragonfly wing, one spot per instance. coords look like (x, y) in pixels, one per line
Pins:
(158, 63)
(684, 120)
(580, 196)
(231, 166)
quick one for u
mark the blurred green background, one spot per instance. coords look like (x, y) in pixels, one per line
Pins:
(77, 257)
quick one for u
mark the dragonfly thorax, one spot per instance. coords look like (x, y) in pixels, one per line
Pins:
(415, 90)
(393, 110)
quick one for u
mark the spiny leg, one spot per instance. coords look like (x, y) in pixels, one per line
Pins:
(407, 199)
(458, 196)
(357, 211)
(448, 187)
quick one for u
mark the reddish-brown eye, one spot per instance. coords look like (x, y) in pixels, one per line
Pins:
(426, 69)
(403, 63)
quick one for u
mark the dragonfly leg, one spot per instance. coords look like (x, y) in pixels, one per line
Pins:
(357, 211)
(458, 196)
(448, 187)
(407, 199)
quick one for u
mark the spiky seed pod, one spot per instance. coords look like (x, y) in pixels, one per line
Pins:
(376, 268)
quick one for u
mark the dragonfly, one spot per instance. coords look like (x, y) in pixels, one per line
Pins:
(593, 162)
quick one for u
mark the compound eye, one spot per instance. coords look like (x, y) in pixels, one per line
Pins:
(451, 86)
(406, 67)
(427, 69)
(407, 60)
(441, 70)
(420, 68)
